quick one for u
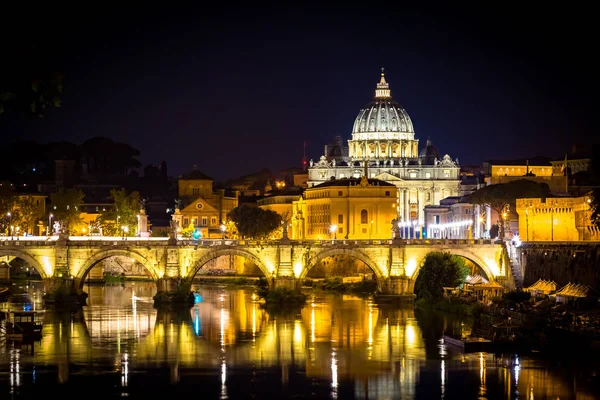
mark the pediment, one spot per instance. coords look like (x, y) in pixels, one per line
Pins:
(386, 176)
(199, 205)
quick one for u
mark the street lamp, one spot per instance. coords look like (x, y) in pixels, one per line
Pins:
(125, 229)
(223, 229)
(333, 230)
(9, 215)
(50, 223)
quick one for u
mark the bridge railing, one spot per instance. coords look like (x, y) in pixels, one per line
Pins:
(132, 241)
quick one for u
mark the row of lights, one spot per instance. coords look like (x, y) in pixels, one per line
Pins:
(458, 224)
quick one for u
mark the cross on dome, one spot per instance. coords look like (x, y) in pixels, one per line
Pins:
(383, 88)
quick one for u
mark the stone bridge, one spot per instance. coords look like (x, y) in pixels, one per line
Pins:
(395, 263)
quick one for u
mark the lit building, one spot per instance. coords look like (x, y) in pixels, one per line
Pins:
(537, 169)
(562, 219)
(383, 140)
(204, 208)
(281, 201)
(452, 219)
(345, 209)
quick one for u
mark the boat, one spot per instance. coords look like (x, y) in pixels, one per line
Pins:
(23, 325)
(469, 344)
(20, 302)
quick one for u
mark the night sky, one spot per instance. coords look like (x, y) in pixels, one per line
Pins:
(234, 89)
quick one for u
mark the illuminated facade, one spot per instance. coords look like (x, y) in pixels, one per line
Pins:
(556, 219)
(345, 209)
(452, 219)
(383, 139)
(204, 208)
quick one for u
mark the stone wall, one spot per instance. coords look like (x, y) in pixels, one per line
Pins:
(563, 263)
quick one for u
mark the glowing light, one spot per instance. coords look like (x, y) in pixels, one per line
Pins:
(270, 266)
(47, 266)
(370, 339)
(492, 266)
(517, 371)
(312, 323)
(125, 370)
(197, 323)
(517, 241)
(411, 266)
(334, 375)
(297, 269)
(410, 334)
(297, 332)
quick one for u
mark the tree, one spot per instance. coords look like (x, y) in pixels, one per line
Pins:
(504, 195)
(121, 218)
(64, 206)
(439, 270)
(254, 222)
(595, 176)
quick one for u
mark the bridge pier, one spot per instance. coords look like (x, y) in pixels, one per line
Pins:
(284, 282)
(63, 291)
(173, 292)
(396, 290)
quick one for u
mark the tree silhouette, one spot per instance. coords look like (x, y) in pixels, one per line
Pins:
(502, 195)
(254, 222)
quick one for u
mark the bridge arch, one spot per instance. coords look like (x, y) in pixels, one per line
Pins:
(44, 272)
(227, 251)
(104, 254)
(469, 255)
(319, 256)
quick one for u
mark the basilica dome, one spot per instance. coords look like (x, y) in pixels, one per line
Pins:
(383, 115)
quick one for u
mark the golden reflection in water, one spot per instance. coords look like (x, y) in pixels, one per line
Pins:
(482, 373)
(381, 350)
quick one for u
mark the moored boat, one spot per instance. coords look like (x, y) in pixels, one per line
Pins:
(469, 344)
(23, 325)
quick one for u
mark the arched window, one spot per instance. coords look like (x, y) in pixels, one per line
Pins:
(364, 217)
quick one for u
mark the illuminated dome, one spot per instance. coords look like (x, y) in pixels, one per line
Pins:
(383, 118)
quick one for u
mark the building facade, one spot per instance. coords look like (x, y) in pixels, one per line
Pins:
(452, 219)
(383, 147)
(202, 206)
(564, 219)
(354, 209)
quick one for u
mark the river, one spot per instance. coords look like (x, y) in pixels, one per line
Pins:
(228, 347)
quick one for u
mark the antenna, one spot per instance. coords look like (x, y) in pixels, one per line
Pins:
(304, 158)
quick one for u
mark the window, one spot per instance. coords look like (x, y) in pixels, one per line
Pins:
(413, 174)
(213, 220)
(446, 173)
(364, 230)
(204, 221)
(196, 192)
(427, 175)
(387, 192)
(186, 222)
(436, 219)
(340, 230)
(195, 221)
(364, 217)
(467, 211)
(340, 193)
(340, 218)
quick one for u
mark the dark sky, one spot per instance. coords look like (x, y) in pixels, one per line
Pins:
(236, 88)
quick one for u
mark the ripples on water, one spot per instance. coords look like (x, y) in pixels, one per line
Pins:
(226, 346)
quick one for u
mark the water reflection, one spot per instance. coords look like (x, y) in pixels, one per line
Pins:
(342, 345)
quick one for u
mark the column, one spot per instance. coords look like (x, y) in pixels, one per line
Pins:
(421, 210)
(400, 204)
(406, 205)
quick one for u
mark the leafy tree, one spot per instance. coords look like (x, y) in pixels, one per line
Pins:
(595, 176)
(123, 213)
(439, 270)
(188, 231)
(504, 195)
(64, 206)
(254, 222)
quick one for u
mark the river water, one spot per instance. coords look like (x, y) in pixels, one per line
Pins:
(228, 347)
